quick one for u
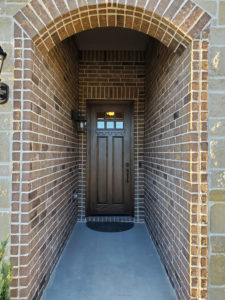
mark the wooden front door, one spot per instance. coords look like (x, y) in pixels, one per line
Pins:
(109, 159)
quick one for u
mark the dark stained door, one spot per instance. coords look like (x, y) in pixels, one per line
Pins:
(110, 163)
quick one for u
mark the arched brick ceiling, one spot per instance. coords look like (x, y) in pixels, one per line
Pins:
(174, 23)
(111, 38)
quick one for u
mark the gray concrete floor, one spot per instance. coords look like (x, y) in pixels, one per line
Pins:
(109, 266)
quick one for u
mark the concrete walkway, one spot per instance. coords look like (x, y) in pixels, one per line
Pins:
(109, 266)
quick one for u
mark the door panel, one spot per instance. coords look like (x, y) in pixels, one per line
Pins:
(118, 170)
(102, 170)
(109, 159)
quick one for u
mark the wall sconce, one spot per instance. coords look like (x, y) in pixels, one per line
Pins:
(81, 122)
(4, 89)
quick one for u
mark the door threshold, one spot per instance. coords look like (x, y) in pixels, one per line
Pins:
(109, 219)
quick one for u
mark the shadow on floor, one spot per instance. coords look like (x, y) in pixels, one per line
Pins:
(109, 266)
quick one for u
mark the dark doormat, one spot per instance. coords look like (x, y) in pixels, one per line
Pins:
(110, 226)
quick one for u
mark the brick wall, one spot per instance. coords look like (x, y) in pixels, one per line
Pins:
(114, 75)
(167, 161)
(45, 169)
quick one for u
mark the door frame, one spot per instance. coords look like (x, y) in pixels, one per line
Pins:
(89, 103)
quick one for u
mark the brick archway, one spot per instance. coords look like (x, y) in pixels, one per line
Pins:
(39, 27)
(174, 24)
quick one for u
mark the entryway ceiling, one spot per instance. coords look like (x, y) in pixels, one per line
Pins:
(111, 38)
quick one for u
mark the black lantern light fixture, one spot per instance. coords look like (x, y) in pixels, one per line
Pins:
(80, 120)
(2, 58)
(4, 89)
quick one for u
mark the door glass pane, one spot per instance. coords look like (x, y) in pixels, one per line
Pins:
(119, 120)
(110, 125)
(119, 125)
(110, 114)
(100, 116)
(119, 116)
(110, 120)
(100, 125)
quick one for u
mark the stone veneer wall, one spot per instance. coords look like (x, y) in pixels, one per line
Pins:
(7, 10)
(114, 75)
(45, 166)
(216, 162)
